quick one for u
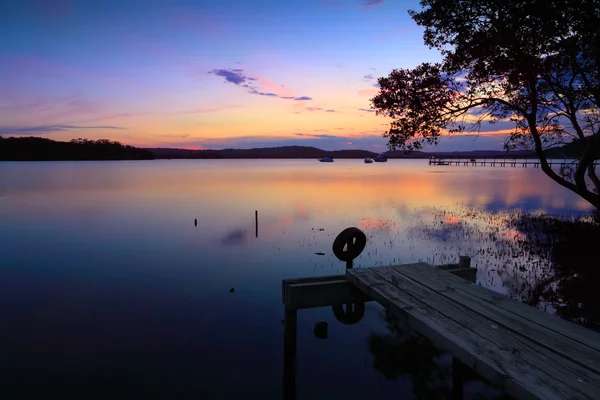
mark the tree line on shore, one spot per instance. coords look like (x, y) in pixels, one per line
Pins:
(41, 149)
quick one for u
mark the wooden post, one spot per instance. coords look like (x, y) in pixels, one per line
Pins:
(464, 262)
(457, 379)
(289, 354)
(256, 221)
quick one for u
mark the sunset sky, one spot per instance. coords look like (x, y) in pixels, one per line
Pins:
(207, 74)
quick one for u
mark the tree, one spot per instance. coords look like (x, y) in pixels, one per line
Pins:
(532, 62)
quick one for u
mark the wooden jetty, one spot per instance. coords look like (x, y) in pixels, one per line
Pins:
(498, 162)
(528, 353)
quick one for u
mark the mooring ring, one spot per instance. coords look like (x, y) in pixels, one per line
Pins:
(353, 313)
(353, 239)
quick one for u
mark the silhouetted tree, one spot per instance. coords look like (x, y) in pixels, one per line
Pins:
(41, 149)
(533, 62)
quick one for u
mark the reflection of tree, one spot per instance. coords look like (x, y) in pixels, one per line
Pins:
(404, 353)
(572, 245)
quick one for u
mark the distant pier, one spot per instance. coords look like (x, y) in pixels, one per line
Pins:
(498, 162)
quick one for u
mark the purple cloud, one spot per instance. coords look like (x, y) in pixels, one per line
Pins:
(234, 76)
(254, 91)
(366, 110)
(49, 129)
(369, 77)
(372, 3)
(331, 110)
(238, 78)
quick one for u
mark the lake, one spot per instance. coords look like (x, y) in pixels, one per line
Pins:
(109, 289)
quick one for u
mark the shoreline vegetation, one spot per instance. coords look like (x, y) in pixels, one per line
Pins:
(42, 149)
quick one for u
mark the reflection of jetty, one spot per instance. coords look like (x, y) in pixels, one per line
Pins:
(528, 353)
(498, 162)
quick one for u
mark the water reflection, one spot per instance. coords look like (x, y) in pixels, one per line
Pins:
(402, 353)
(103, 269)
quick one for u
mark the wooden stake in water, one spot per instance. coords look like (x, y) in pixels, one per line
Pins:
(256, 221)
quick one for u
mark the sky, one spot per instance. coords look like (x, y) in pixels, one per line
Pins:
(208, 74)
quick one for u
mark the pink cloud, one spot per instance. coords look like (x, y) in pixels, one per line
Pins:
(268, 85)
(369, 92)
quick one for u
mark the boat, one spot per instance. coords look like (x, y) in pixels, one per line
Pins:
(368, 160)
(326, 159)
(381, 158)
(473, 160)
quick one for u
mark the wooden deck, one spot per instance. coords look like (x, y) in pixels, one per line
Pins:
(527, 352)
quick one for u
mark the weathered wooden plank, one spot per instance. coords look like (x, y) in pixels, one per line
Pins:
(288, 282)
(568, 330)
(311, 293)
(479, 350)
(470, 274)
(522, 348)
(536, 332)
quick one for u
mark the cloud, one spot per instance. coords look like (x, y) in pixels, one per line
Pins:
(366, 110)
(369, 92)
(109, 116)
(316, 135)
(369, 77)
(330, 110)
(377, 85)
(254, 91)
(268, 85)
(239, 78)
(199, 110)
(314, 108)
(336, 4)
(372, 3)
(234, 76)
(49, 129)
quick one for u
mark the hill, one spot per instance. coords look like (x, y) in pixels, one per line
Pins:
(313, 152)
(41, 149)
(265, 152)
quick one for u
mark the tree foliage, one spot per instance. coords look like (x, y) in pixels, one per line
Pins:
(532, 62)
(41, 149)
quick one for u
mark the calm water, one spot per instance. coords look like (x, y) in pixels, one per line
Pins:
(108, 288)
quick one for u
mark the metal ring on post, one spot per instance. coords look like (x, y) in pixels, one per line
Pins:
(351, 315)
(347, 246)
(353, 239)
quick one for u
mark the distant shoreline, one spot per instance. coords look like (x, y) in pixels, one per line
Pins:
(42, 149)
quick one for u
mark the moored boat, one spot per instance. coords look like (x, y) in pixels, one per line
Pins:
(381, 158)
(326, 159)
(368, 160)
